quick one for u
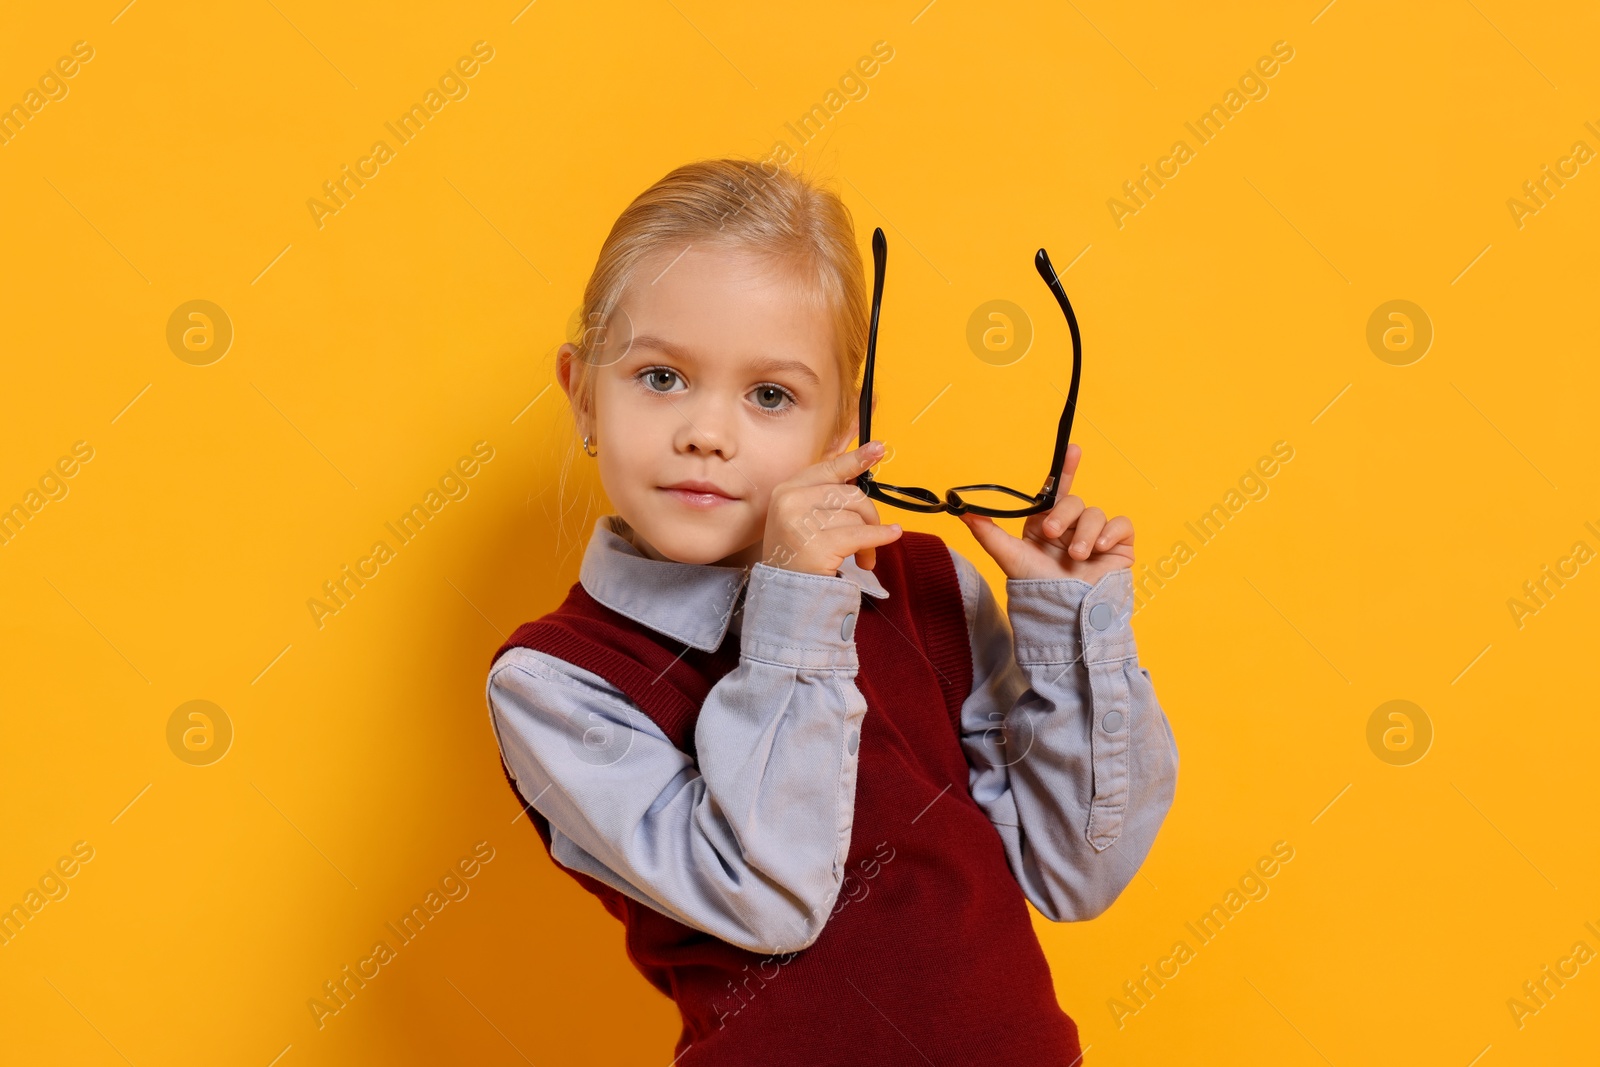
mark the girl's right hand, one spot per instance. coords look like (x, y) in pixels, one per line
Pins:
(820, 516)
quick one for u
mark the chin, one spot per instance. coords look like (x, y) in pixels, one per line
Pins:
(706, 541)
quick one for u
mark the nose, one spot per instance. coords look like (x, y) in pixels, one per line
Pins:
(706, 430)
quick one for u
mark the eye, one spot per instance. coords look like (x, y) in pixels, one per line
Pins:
(776, 394)
(770, 398)
(653, 376)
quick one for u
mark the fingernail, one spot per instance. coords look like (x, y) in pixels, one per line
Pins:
(874, 447)
(895, 526)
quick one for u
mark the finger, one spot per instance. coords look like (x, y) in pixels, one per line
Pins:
(845, 467)
(1117, 531)
(859, 503)
(1069, 468)
(1061, 517)
(845, 541)
(828, 506)
(1001, 546)
(1090, 523)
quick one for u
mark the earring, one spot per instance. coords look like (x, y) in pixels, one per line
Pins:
(586, 449)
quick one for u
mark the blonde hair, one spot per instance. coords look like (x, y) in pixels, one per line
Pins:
(789, 219)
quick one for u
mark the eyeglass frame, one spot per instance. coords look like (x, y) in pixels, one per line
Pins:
(1043, 500)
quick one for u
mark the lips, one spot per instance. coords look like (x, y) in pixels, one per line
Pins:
(700, 488)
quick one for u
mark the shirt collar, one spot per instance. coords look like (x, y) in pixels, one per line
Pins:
(692, 603)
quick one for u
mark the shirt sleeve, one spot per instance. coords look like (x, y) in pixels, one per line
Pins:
(749, 843)
(1071, 756)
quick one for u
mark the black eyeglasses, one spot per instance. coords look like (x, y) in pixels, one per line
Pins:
(986, 499)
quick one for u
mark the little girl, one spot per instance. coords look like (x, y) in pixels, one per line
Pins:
(801, 755)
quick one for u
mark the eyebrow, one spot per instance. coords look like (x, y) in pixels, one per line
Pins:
(766, 366)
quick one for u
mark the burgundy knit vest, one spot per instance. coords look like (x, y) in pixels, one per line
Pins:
(929, 955)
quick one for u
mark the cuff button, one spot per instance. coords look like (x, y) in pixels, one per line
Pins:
(848, 629)
(1100, 616)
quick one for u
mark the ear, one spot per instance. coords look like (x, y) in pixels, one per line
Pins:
(564, 356)
(841, 444)
(564, 359)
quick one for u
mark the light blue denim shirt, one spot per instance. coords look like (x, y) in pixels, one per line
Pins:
(1070, 754)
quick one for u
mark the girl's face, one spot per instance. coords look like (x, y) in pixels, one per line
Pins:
(726, 377)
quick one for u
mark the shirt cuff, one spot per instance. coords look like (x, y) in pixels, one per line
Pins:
(800, 620)
(1059, 620)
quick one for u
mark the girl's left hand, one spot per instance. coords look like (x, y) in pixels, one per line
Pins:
(1068, 541)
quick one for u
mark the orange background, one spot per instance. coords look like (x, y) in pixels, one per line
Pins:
(370, 353)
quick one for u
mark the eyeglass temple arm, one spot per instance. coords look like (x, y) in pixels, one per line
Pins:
(1041, 261)
(880, 256)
